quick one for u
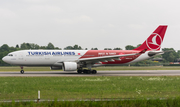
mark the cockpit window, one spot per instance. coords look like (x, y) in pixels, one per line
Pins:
(10, 55)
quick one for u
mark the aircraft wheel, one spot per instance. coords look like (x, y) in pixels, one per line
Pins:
(79, 71)
(89, 72)
(85, 71)
(94, 71)
(22, 71)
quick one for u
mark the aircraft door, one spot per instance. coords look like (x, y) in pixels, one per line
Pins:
(20, 56)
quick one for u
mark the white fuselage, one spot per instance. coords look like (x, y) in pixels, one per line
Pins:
(42, 57)
(51, 57)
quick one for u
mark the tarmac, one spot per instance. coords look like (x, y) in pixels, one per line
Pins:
(99, 73)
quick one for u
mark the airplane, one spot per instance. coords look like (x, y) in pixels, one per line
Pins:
(84, 60)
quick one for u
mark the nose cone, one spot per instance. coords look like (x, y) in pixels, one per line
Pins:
(5, 59)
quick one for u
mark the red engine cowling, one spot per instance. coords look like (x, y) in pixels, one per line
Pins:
(70, 66)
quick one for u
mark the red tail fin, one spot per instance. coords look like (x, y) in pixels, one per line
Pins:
(153, 42)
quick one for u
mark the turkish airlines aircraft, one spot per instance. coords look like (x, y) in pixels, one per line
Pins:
(71, 60)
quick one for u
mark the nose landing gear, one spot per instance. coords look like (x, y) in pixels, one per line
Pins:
(22, 71)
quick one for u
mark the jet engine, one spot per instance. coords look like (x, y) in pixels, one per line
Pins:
(70, 66)
(56, 67)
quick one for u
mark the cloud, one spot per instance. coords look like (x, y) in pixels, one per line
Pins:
(111, 25)
(82, 18)
(5, 13)
(103, 31)
(136, 26)
(45, 9)
(35, 1)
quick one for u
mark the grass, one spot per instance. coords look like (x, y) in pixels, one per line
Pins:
(121, 103)
(144, 91)
(15, 68)
(13, 88)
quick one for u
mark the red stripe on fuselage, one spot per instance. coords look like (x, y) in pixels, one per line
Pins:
(101, 53)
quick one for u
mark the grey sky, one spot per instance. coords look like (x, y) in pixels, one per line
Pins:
(88, 23)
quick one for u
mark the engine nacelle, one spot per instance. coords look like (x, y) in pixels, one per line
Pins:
(70, 66)
(56, 67)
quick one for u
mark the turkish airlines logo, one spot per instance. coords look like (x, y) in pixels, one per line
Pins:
(154, 41)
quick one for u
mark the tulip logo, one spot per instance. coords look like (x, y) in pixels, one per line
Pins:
(154, 41)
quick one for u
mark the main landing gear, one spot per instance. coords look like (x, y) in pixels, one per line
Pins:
(86, 71)
(22, 71)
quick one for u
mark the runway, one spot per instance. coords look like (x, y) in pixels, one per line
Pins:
(99, 73)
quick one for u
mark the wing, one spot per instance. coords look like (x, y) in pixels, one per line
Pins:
(94, 60)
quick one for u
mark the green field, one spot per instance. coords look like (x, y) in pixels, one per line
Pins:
(13, 88)
(139, 89)
(16, 68)
(175, 102)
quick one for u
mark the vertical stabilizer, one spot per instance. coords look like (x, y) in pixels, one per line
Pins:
(154, 41)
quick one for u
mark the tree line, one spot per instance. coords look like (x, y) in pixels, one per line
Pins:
(170, 54)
